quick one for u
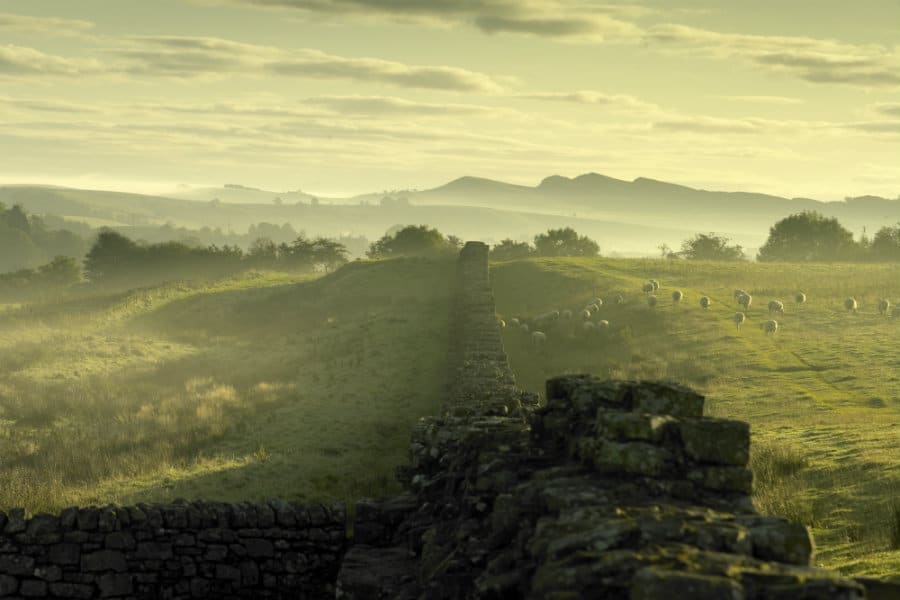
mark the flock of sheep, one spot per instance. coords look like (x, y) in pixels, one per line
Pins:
(538, 327)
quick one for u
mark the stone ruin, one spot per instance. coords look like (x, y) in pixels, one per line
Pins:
(610, 489)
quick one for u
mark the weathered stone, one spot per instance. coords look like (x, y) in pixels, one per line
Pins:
(776, 538)
(119, 540)
(153, 551)
(632, 457)
(259, 548)
(722, 479)
(15, 521)
(228, 573)
(48, 572)
(71, 590)
(112, 584)
(8, 585)
(16, 564)
(104, 560)
(717, 441)
(617, 425)
(64, 554)
(88, 518)
(106, 519)
(33, 588)
(659, 584)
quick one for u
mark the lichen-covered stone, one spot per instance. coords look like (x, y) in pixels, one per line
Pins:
(717, 441)
(660, 584)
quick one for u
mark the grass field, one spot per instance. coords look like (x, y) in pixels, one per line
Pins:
(260, 386)
(822, 395)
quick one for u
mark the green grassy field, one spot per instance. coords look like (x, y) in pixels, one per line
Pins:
(259, 386)
(822, 395)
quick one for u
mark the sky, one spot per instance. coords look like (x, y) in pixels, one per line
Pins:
(340, 97)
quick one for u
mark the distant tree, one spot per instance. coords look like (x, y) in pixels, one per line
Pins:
(665, 251)
(511, 250)
(329, 253)
(61, 272)
(454, 242)
(564, 242)
(262, 252)
(15, 218)
(885, 245)
(278, 201)
(111, 257)
(412, 240)
(709, 246)
(808, 236)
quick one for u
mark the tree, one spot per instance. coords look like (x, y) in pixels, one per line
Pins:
(330, 253)
(808, 236)
(412, 240)
(61, 272)
(709, 246)
(511, 250)
(564, 242)
(262, 252)
(111, 257)
(886, 244)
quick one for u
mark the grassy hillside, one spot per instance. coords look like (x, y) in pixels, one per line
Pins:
(821, 394)
(260, 386)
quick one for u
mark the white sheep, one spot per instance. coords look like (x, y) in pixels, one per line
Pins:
(501, 323)
(677, 296)
(799, 297)
(588, 327)
(655, 285)
(739, 319)
(647, 288)
(538, 340)
(737, 295)
(514, 322)
(593, 307)
(705, 302)
(850, 304)
(603, 324)
(620, 299)
(586, 314)
(566, 314)
(776, 306)
(651, 300)
(884, 305)
(524, 328)
(745, 300)
(770, 326)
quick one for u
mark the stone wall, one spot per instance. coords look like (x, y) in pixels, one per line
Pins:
(182, 550)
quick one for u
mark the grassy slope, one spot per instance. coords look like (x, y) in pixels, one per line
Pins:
(821, 395)
(255, 387)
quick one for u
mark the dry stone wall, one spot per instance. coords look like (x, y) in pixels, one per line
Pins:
(182, 550)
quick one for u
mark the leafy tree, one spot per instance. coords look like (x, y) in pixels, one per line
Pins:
(412, 240)
(61, 272)
(564, 242)
(330, 253)
(886, 244)
(262, 252)
(808, 236)
(511, 250)
(111, 257)
(15, 218)
(709, 246)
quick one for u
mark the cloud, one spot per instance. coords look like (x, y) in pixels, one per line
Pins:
(810, 59)
(591, 97)
(41, 105)
(891, 109)
(545, 18)
(761, 99)
(385, 105)
(43, 25)
(21, 61)
(204, 57)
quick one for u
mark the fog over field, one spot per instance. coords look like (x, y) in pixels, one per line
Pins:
(228, 234)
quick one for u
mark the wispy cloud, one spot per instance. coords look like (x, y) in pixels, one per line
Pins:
(21, 61)
(386, 105)
(43, 25)
(891, 109)
(811, 59)
(761, 99)
(591, 97)
(204, 57)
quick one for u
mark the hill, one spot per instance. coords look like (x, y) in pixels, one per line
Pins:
(255, 387)
(820, 394)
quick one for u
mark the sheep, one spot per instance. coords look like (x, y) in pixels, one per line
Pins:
(705, 302)
(524, 328)
(770, 326)
(655, 284)
(620, 299)
(597, 301)
(850, 304)
(501, 323)
(593, 307)
(514, 322)
(647, 288)
(677, 296)
(776, 306)
(739, 319)
(586, 315)
(737, 295)
(588, 327)
(883, 306)
(745, 300)
(538, 339)
(799, 297)
(566, 314)
(651, 300)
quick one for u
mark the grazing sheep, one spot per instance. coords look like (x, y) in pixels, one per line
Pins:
(655, 285)
(850, 304)
(593, 307)
(588, 327)
(651, 300)
(776, 306)
(620, 299)
(745, 300)
(603, 324)
(514, 322)
(883, 306)
(501, 323)
(799, 297)
(770, 326)
(586, 314)
(677, 296)
(538, 340)
(597, 301)
(647, 288)
(524, 328)
(737, 295)
(704, 302)
(739, 319)
(566, 314)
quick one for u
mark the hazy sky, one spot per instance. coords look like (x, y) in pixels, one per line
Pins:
(798, 98)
